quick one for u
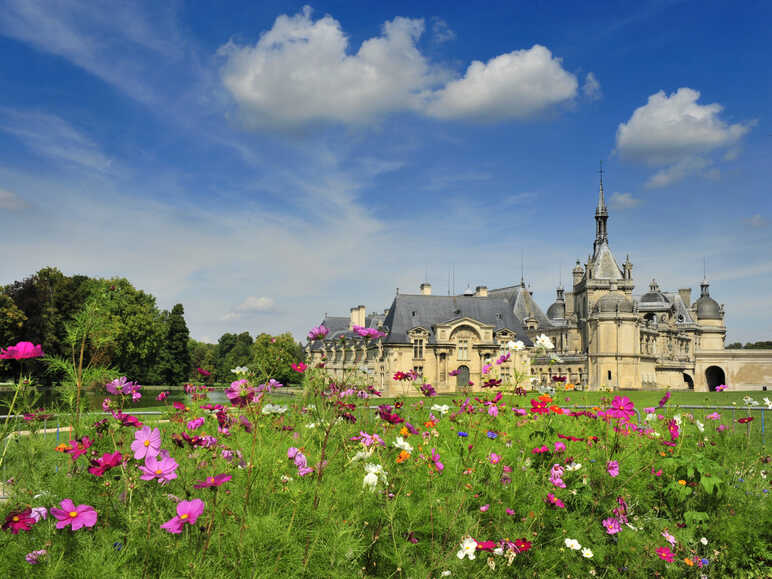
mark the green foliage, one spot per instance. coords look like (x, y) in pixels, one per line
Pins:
(272, 356)
(175, 364)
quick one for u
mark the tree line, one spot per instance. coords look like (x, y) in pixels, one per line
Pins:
(137, 339)
(750, 346)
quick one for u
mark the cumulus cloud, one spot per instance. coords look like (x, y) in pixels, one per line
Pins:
(591, 87)
(301, 72)
(10, 201)
(623, 201)
(676, 133)
(511, 86)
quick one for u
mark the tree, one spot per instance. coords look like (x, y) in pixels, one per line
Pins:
(174, 366)
(272, 357)
(202, 355)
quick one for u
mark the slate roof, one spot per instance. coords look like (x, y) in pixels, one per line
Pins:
(410, 311)
(338, 326)
(524, 305)
(604, 266)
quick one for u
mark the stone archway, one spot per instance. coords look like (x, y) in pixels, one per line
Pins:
(462, 379)
(689, 381)
(714, 376)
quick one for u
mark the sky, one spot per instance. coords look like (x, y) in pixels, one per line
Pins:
(265, 163)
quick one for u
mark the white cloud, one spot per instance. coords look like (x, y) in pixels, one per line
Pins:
(591, 87)
(300, 72)
(441, 32)
(516, 85)
(623, 201)
(11, 201)
(255, 304)
(676, 133)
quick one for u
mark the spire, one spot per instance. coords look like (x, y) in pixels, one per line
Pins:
(601, 217)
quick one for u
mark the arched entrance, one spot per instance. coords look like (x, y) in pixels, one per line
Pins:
(689, 381)
(714, 376)
(462, 379)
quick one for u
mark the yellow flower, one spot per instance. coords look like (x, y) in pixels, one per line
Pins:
(682, 482)
(689, 562)
(404, 431)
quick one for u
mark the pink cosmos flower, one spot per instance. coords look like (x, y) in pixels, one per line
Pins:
(39, 513)
(162, 396)
(368, 333)
(212, 481)
(560, 446)
(622, 408)
(300, 367)
(436, 460)
(493, 410)
(146, 442)
(664, 400)
(195, 423)
(77, 517)
(540, 450)
(318, 333)
(669, 538)
(22, 351)
(720, 387)
(203, 373)
(454, 372)
(721, 427)
(556, 476)
(187, 513)
(612, 467)
(665, 554)
(554, 501)
(612, 525)
(240, 393)
(713, 416)
(161, 467)
(510, 512)
(494, 458)
(78, 447)
(33, 558)
(19, 521)
(484, 508)
(101, 465)
(487, 368)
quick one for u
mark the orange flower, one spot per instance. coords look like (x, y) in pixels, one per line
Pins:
(403, 456)
(545, 398)
(569, 386)
(64, 447)
(429, 424)
(682, 482)
(404, 431)
(689, 562)
(556, 409)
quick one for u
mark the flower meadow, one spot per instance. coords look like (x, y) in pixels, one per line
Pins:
(337, 483)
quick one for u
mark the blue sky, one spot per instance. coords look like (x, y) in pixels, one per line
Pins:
(265, 163)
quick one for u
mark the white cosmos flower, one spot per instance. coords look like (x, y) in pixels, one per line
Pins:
(587, 553)
(543, 341)
(573, 466)
(704, 541)
(370, 481)
(240, 370)
(441, 408)
(700, 426)
(274, 409)
(768, 402)
(573, 544)
(516, 346)
(468, 547)
(402, 444)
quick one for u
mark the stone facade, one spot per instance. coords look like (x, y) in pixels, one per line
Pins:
(605, 337)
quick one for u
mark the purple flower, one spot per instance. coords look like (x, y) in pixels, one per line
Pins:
(33, 558)
(161, 467)
(622, 408)
(146, 442)
(436, 460)
(612, 525)
(318, 333)
(77, 517)
(212, 481)
(196, 423)
(664, 400)
(187, 513)
(612, 467)
(39, 513)
(494, 458)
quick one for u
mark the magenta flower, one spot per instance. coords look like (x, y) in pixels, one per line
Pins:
(146, 442)
(484, 508)
(78, 447)
(187, 513)
(720, 387)
(162, 467)
(510, 512)
(300, 367)
(106, 462)
(196, 423)
(559, 446)
(494, 458)
(162, 396)
(203, 373)
(212, 481)
(436, 460)
(612, 467)
(123, 387)
(556, 476)
(240, 393)
(487, 368)
(622, 408)
(554, 501)
(665, 554)
(455, 372)
(77, 517)
(318, 333)
(713, 416)
(19, 521)
(22, 351)
(664, 400)
(493, 410)
(612, 525)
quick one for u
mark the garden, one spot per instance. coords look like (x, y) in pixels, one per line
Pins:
(335, 482)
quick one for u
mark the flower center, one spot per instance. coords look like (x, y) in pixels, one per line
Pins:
(158, 471)
(211, 479)
(183, 517)
(15, 519)
(73, 514)
(147, 443)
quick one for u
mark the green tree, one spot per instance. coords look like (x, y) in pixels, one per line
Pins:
(202, 355)
(272, 357)
(175, 359)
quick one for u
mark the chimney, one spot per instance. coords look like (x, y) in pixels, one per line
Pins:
(481, 291)
(362, 316)
(686, 296)
(354, 318)
(426, 289)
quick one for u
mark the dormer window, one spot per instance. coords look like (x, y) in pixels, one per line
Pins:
(418, 348)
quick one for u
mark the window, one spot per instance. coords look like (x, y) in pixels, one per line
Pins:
(419, 370)
(609, 374)
(463, 349)
(418, 349)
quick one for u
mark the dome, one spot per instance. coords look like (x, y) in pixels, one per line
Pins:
(614, 302)
(707, 308)
(653, 296)
(557, 311)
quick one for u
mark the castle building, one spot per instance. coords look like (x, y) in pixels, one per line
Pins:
(605, 337)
